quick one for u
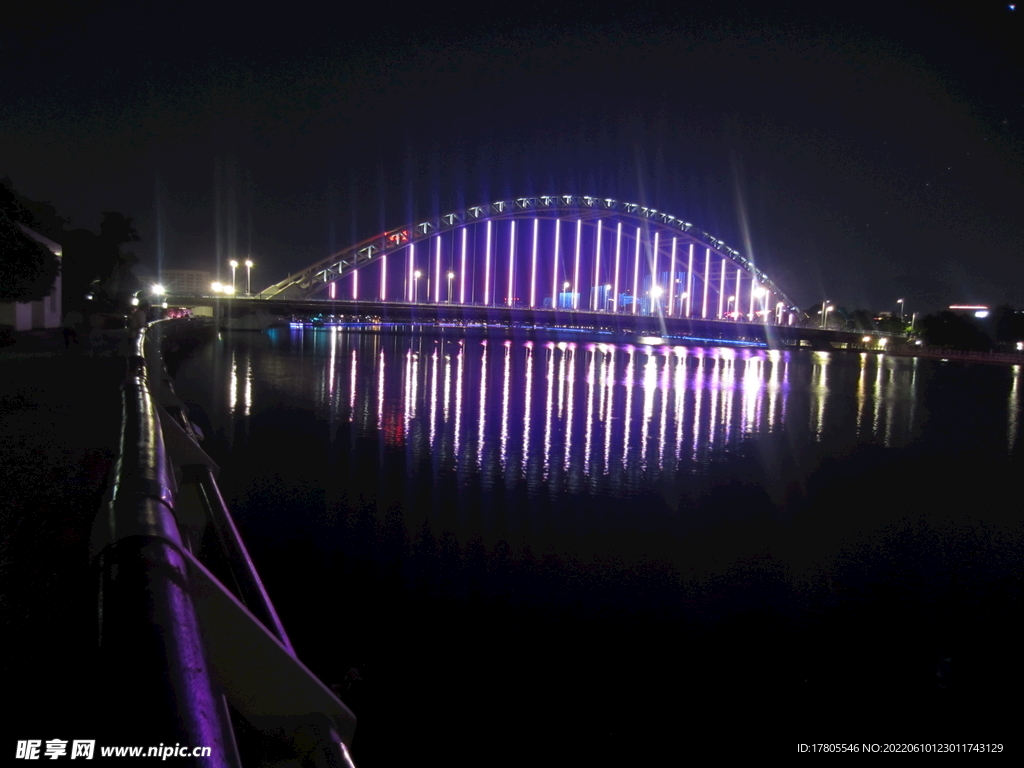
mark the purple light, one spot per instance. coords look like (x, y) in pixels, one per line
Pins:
(672, 278)
(462, 270)
(487, 266)
(331, 289)
(412, 266)
(707, 268)
(437, 271)
(689, 282)
(654, 267)
(511, 263)
(533, 269)
(618, 256)
(554, 275)
(721, 290)
(636, 269)
(576, 268)
(383, 276)
(739, 276)
(597, 266)
(355, 284)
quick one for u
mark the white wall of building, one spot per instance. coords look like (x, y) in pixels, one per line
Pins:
(45, 313)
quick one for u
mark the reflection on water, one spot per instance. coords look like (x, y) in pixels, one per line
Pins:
(565, 416)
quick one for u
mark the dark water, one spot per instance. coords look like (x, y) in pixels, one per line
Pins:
(558, 551)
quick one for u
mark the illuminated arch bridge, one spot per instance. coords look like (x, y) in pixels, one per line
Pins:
(557, 251)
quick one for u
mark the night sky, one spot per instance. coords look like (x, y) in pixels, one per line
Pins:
(860, 152)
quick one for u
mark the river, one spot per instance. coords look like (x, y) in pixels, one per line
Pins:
(573, 550)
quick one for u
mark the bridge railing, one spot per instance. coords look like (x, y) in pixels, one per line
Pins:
(188, 635)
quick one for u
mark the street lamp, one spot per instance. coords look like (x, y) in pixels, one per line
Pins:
(451, 276)
(248, 277)
(828, 309)
(234, 266)
(216, 287)
(900, 302)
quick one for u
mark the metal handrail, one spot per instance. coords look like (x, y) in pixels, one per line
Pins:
(171, 631)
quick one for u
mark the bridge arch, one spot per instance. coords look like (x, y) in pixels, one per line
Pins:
(558, 251)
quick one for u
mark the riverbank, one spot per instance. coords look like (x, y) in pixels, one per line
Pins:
(60, 418)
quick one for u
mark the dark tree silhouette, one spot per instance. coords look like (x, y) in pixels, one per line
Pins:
(28, 269)
(97, 265)
(948, 329)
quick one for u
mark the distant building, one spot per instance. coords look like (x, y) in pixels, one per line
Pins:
(186, 282)
(45, 313)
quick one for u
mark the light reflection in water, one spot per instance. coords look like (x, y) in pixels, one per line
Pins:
(607, 432)
(1013, 411)
(819, 392)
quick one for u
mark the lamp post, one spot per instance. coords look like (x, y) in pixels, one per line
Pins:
(234, 266)
(248, 277)
(900, 302)
(451, 276)
(825, 309)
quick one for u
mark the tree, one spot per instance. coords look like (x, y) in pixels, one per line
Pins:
(948, 329)
(96, 264)
(28, 270)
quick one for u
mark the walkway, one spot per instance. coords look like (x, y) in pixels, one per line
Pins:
(60, 416)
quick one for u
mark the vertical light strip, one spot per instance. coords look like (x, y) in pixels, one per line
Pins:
(554, 273)
(689, 282)
(672, 278)
(412, 268)
(597, 282)
(462, 270)
(333, 290)
(753, 287)
(437, 271)
(512, 263)
(654, 274)
(487, 266)
(355, 284)
(575, 287)
(739, 275)
(636, 270)
(721, 290)
(618, 255)
(707, 267)
(383, 276)
(533, 268)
